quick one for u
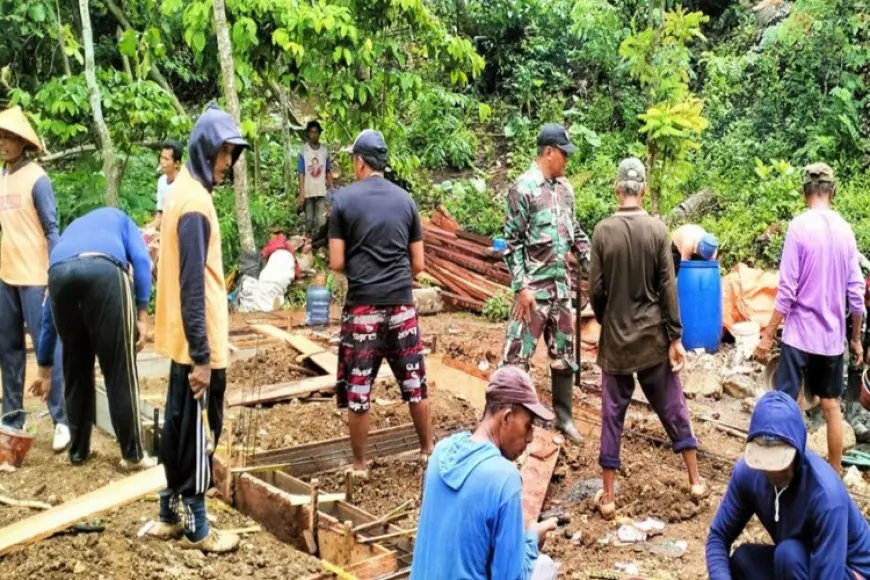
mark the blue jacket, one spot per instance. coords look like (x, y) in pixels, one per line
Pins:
(105, 231)
(471, 521)
(815, 509)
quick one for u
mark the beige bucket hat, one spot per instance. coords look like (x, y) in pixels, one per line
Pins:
(14, 121)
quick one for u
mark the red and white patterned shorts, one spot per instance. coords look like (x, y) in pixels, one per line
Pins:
(368, 335)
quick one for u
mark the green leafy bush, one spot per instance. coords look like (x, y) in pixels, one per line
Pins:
(473, 206)
(498, 308)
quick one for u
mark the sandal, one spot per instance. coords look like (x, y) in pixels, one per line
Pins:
(608, 510)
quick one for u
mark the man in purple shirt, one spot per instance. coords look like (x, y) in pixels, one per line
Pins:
(818, 273)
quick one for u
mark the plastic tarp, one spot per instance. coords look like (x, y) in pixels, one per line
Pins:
(748, 294)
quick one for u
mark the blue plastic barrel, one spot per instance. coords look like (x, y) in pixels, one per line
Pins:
(699, 290)
(317, 300)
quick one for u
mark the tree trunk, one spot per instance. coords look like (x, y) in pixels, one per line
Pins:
(691, 206)
(240, 172)
(155, 73)
(289, 167)
(652, 182)
(111, 167)
(124, 60)
(67, 71)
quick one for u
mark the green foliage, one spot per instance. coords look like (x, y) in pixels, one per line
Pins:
(473, 206)
(752, 219)
(439, 134)
(498, 308)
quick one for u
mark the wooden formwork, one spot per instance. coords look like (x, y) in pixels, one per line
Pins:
(266, 496)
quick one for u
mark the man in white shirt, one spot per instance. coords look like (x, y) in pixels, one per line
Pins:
(170, 165)
(315, 176)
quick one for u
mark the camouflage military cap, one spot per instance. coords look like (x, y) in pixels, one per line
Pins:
(818, 173)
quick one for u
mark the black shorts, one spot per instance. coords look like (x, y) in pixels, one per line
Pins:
(823, 374)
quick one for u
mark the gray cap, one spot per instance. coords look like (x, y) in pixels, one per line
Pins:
(631, 169)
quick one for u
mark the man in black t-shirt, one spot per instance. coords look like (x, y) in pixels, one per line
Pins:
(376, 240)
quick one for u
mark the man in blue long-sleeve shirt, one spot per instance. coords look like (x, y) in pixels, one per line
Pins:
(817, 530)
(91, 307)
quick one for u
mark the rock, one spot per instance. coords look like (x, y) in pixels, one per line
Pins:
(738, 386)
(79, 568)
(817, 442)
(702, 382)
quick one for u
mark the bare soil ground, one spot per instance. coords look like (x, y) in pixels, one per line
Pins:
(653, 482)
(117, 552)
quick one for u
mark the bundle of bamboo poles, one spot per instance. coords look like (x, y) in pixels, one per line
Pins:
(462, 264)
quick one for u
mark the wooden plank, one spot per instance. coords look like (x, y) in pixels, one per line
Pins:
(282, 392)
(111, 496)
(307, 348)
(271, 508)
(537, 471)
(469, 277)
(470, 263)
(466, 368)
(463, 302)
(458, 281)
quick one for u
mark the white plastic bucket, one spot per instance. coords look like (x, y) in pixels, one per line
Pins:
(747, 335)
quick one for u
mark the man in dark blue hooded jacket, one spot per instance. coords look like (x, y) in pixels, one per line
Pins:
(192, 330)
(817, 530)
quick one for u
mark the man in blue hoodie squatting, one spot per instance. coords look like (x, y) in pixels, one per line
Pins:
(817, 530)
(471, 521)
(192, 329)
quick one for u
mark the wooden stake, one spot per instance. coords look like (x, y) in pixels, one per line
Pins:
(348, 542)
(348, 486)
(312, 519)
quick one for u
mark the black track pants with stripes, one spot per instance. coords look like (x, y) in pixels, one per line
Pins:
(95, 316)
(183, 449)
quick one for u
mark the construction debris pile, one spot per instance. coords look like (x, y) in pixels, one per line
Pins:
(464, 265)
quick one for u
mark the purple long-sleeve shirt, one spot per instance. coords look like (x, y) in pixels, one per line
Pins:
(819, 272)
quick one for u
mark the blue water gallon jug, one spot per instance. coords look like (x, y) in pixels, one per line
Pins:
(699, 289)
(499, 245)
(317, 300)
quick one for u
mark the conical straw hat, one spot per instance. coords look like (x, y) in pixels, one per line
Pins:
(14, 121)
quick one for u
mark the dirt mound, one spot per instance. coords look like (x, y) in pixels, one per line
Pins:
(269, 366)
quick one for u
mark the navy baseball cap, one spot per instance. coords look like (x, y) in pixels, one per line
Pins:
(369, 143)
(554, 135)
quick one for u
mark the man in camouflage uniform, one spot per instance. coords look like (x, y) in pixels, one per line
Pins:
(541, 229)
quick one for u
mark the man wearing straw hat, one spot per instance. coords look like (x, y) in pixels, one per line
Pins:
(28, 218)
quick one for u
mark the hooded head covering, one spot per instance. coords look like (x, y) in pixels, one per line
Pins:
(778, 416)
(14, 121)
(213, 128)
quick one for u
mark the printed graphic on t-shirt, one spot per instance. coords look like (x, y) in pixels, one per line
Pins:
(315, 170)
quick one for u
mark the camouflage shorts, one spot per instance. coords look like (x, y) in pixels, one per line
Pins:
(553, 318)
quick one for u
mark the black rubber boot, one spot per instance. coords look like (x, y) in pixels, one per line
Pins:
(563, 391)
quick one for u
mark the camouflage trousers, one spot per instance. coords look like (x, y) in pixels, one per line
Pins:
(553, 319)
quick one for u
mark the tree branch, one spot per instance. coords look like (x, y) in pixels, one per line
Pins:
(155, 73)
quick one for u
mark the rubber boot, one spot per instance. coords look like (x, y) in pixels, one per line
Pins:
(563, 391)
